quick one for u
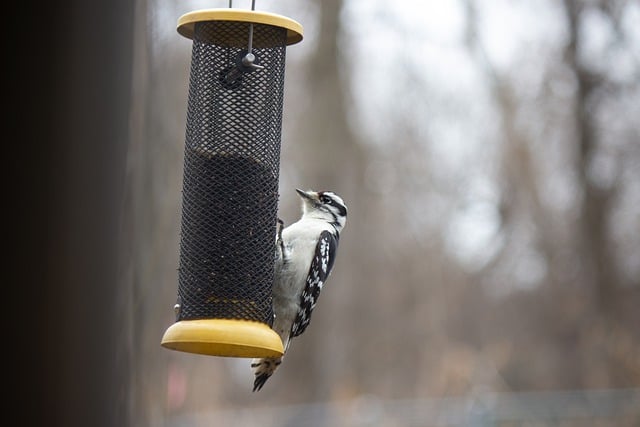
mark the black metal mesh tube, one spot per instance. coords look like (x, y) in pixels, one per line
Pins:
(231, 170)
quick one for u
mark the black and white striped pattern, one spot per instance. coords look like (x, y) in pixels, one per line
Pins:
(318, 273)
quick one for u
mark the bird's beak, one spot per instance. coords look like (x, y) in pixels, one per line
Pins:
(306, 194)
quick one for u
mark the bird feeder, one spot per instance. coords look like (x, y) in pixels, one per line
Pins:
(230, 182)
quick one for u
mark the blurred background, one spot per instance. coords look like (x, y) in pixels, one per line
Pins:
(489, 272)
(489, 154)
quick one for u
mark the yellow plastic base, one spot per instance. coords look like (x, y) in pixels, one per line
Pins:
(223, 337)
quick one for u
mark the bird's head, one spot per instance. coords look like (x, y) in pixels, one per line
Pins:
(325, 205)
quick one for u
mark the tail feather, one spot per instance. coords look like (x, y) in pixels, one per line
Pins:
(263, 369)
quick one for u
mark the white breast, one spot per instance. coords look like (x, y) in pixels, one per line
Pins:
(300, 239)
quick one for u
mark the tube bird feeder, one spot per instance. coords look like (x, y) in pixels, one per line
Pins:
(230, 182)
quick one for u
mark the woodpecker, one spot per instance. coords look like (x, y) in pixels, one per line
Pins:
(305, 254)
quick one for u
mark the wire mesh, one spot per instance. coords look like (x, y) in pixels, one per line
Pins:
(231, 171)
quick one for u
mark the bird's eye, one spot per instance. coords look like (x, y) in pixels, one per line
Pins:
(325, 199)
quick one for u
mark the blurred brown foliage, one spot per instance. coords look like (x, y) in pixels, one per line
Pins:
(401, 316)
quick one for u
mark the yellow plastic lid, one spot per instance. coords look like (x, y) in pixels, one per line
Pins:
(186, 23)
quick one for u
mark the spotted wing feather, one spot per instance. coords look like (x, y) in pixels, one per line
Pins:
(319, 271)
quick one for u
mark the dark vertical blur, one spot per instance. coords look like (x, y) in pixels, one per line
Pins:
(69, 69)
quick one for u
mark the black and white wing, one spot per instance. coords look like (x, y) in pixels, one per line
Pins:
(319, 271)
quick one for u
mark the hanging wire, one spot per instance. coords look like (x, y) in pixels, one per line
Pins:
(250, 47)
(249, 59)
